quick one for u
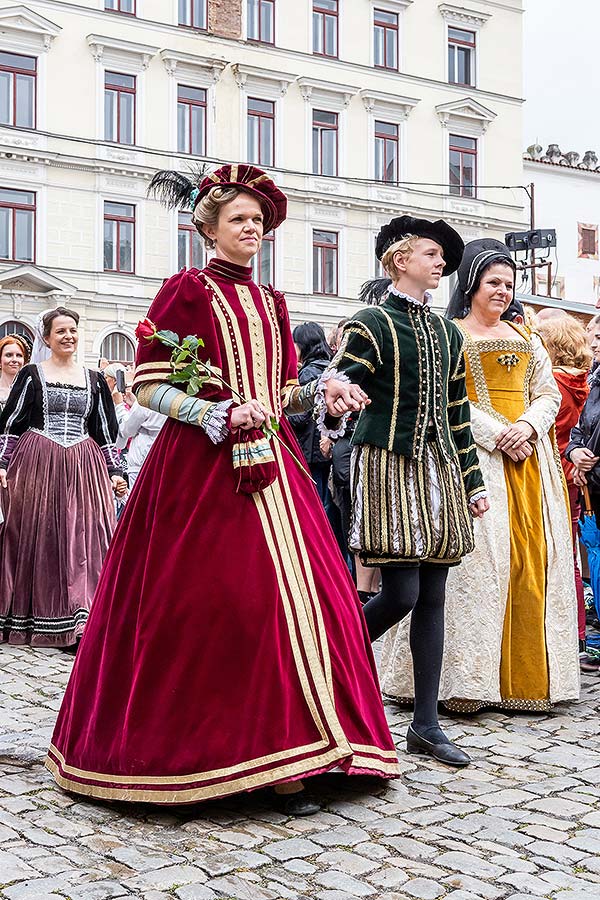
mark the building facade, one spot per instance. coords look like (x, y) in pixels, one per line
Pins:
(361, 110)
(567, 198)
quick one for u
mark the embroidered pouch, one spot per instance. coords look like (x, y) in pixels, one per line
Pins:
(253, 461)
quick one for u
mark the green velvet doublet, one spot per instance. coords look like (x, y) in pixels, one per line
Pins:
(410, 362)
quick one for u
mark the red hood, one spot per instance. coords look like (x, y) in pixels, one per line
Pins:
(576, 385)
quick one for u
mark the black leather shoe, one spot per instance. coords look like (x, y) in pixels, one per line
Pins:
(446, 752)
(299, 804)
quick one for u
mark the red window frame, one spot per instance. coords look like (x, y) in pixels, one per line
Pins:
(257, 261)
(123, 12)
(112, 217)
(321, 246)
(14, 71)
(472, 46)
(388, 139)
(192, 235)
(269, 118)
(5, 204)
(189, 102)
(260, 39)
(121, 89)
(322, 127)
(325, 13)
(192, 23)
(462, 190)
(385, 27)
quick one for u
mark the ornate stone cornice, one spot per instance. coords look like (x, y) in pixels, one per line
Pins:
(266, 80)
(460, 15)
(116, 51)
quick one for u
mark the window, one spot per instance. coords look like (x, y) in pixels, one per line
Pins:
(117, 347)
(190, 250)
(386, 151)
(122, 6)
(15, 328)
(261, 21)
(193, 13)
(17, 225)
(325, 262)
(17, 90)
(463, 166)
(325, 27)
(325, 142)
(119, 108)
(386, 39)
(261, 131)
(263, 264)
(119, 237)
(191, 120)
(587, 245)
(461, 56)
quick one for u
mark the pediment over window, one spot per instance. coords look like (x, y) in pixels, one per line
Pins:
(205, 70)
(468, 115)
(29, 279)
(391, 106)
(23, 29)
(113, 51)
(262, 81)
(335, 95)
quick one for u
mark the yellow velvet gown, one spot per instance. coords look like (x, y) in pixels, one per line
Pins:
(498, 373)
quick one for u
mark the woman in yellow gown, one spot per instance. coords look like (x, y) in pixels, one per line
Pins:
(511, 612)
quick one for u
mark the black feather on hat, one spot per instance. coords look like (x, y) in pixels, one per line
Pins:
(443, 234)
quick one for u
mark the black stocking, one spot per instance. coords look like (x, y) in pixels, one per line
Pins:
(420, 590)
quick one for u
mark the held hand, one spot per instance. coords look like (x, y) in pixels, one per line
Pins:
(341, 397)
(583, 459)
(119, 485)
(479, 507)
(514, 436)
(326, 446)
(249, 415)
(521, 453)
(3, 478)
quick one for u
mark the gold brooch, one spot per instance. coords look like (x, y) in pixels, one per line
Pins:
(509, 360)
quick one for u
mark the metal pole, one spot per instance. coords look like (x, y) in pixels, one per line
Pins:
(532, 228)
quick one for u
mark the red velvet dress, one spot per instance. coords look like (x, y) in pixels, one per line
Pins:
(226, 648)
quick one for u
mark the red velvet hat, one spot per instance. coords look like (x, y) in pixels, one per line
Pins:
(254, 181)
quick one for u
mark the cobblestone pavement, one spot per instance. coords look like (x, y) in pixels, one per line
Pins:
(523, 821)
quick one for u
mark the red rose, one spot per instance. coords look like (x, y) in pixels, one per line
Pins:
(145, 329)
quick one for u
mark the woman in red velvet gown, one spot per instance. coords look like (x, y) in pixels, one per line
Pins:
(226, 648)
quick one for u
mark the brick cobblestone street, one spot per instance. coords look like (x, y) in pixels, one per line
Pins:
(522, 822)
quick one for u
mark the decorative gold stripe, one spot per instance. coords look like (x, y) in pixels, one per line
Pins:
(277, 547)
(176, 405)
(307, 586)
(396, 401)
(190, 795)
(357, 359)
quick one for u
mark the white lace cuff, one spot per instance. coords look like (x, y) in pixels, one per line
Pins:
(480, 495)
(214, 421)
(320, 407)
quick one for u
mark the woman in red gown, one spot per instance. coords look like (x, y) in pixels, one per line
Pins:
(226, 648)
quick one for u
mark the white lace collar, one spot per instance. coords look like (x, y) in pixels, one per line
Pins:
(426, 297)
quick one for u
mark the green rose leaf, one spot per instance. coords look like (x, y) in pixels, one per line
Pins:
(167, 337)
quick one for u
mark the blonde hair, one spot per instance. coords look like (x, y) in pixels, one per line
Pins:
(208, 208)
(404, 247)
(566, 342)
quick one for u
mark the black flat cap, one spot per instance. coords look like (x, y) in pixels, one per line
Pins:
(443, 234)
